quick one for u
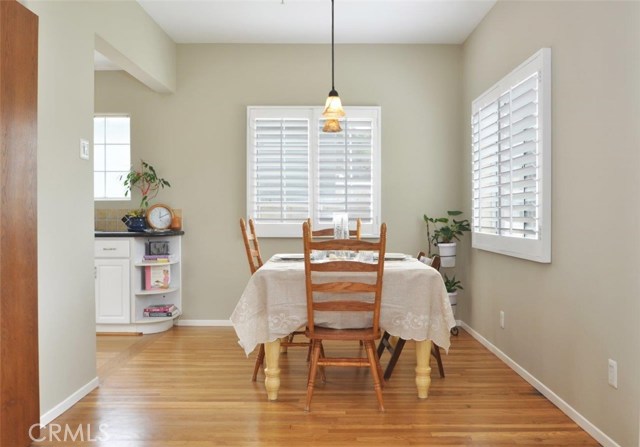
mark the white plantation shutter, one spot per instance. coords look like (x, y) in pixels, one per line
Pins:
(295, 171)
(278, 169)
(510, 139)
(346, 166)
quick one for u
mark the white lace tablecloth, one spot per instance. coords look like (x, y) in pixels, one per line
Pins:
(415, 305)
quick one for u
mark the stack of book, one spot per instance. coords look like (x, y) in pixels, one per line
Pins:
(157, 258)
(160, 310)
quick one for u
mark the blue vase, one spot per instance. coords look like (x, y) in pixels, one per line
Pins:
(135, 223)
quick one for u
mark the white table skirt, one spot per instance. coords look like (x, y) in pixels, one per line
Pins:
(415, 304)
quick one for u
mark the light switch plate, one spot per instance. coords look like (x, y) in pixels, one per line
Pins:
(84, 149)
(613, 373)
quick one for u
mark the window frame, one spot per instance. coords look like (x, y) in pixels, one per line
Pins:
(538, 249)
(314, 114)
(127, 197)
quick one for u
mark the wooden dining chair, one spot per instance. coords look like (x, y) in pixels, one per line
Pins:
(328, 232)
(336, 298)
(251, 245)
(252, 248)
(396, 349)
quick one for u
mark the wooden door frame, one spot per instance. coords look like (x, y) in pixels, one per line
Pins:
(19, 375)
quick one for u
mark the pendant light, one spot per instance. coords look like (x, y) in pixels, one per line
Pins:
(333, 110)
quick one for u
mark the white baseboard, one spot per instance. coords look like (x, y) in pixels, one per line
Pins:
(203, 323)
(567, 409)
(68, 402)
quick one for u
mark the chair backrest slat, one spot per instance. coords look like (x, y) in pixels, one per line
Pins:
(342, 288)
(343, 244)
(343, 266)
(347, 306)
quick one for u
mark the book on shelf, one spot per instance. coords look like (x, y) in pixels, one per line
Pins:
(157, 277)
(160, 308)
(171, 313)
(158, 258)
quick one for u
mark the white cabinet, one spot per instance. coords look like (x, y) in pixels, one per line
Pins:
(120, 291)
(112, 291)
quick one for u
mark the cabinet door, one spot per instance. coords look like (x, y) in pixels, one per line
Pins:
(112, 291)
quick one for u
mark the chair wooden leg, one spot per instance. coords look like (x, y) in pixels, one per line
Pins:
(435, 351)
(323, 377)
(397, 350)
(379, 367)
(259, 362)
(374, 366)
(312, 373)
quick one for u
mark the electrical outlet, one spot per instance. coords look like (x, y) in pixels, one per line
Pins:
(613, 373)
(84, 149)
(502, 319)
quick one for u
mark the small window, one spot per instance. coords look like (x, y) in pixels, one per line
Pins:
(295, 171)
(511, 163)
(111, 156)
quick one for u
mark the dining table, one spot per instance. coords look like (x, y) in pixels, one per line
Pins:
(414, 306)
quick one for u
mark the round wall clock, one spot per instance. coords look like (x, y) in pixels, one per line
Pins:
(159, 216)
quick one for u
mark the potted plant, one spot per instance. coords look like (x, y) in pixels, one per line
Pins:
(147, 181)
(453, 285)
(446, 230)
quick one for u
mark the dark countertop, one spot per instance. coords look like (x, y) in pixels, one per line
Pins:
(138, 233)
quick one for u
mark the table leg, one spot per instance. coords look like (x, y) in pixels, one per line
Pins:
(272, 371)
(423, 370)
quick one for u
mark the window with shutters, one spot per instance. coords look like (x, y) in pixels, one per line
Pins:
(295, 171)
(111, 156)
(511, 163)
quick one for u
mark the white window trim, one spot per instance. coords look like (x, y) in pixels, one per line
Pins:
(294, 230)
(538, 250)
(126, 198)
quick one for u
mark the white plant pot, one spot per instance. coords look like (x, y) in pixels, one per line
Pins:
(447, 254)
(453, 299)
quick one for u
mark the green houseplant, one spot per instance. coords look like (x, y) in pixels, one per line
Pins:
(453, 285)
(446, 230)
(147, 181)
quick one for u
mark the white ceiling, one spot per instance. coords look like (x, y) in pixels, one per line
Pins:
(309, 21)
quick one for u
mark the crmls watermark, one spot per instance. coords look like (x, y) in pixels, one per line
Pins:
(69, 433)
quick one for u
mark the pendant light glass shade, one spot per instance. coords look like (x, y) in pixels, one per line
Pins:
(332, 126)
(333, 107)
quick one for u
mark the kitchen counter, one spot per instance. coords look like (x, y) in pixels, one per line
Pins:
(138, 233)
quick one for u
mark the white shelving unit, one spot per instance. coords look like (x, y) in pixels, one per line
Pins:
(110, 300)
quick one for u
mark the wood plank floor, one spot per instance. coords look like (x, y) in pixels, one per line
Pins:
(191, 387)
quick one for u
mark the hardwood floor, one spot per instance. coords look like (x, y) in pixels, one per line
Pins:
(192, 387)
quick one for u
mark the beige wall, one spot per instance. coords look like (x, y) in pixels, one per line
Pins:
(564, 320)
(196, 139)
(65, 182)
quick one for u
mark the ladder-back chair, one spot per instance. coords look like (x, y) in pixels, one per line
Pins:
(339, 296)
(252, 247)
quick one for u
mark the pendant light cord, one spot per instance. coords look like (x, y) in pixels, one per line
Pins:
(332, 57)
